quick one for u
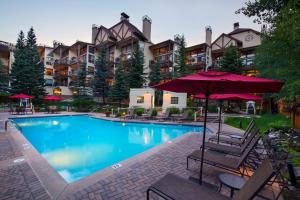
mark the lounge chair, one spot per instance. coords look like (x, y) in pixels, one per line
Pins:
(131, 114)
(175, 187)
(232, 140)
(12, 110)
(232, 150)
(184, 116)
(148, 115)
(166, 116)
(223, 161)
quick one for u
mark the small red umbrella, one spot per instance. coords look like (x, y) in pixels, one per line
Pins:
(214, 82)
(52, 98)
(20, 96)
(220, 97)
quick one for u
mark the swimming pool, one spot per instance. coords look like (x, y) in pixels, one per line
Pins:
(78, 146)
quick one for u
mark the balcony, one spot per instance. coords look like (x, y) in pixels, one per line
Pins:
(164, 58)
(166, 75)
(60, 75)
(61, 62)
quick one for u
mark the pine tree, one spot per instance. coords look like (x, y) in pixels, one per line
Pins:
(27, 75)
(101, 87)
(37, 81)
(231, 61)
(119, 91)
(81, 80)
(136, 76)
(154, 75)
(181, 67)
(20, 71)
(4, 78)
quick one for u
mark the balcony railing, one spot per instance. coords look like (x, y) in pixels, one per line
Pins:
(164, 58)
(63, 61)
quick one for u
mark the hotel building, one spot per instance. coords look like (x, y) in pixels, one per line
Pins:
(6, 56)
(62, 62)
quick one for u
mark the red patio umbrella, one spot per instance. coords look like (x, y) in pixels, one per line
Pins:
(52, 98)
(220, 97)
(214, 82)
(20, 96)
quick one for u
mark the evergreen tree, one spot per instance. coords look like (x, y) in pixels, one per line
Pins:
(181, 67)
(27, 75)
(4, 78)
(119, 91)
(231, 61)
(81, 80)
(101, 87)
(154, 75)
(36, 81)
(19, 72)
(136, 76)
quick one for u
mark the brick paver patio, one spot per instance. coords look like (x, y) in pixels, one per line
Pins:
(19, 180)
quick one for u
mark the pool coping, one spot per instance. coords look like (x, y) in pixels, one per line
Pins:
(55, 185)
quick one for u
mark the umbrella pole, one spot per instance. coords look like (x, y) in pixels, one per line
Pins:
(203, 137)
(220, 119)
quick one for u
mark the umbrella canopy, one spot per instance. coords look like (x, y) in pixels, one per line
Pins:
(244, 97)
(52, 98)
(21, 96)
(214, 82)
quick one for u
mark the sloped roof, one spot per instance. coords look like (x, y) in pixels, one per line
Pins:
(240, 30)
(133, 28)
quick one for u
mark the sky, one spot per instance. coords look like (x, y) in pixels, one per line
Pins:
(70, 20)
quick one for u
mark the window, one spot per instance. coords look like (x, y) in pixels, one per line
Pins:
(48, 82)
(91, 49)
(139, 99)
(91, 59)
(174, 100)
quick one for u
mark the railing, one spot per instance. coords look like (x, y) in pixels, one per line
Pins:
(64, 61)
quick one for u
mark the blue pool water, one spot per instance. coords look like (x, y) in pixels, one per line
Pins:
(77, 146)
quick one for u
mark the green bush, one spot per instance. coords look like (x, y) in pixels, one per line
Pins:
(190, 114)
(119, 114)
(154, 112)
(174, 110)
(83, 104)
(212, 108)
(139, 111)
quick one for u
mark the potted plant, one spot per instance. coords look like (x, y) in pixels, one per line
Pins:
(107, 113)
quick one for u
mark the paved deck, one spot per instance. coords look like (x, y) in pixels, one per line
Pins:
(20, 180)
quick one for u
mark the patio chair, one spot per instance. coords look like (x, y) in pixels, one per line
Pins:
(175, 187)
(234, 140)
(184, 116)
(166, 116)
(12, 110)
(233, 150)
(131, 114)
(148, 115)
(223, 161)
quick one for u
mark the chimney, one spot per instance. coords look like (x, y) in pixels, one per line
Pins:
(208, 33)
(236, 26)
(147, 27)
(94, 32)
(124, 16)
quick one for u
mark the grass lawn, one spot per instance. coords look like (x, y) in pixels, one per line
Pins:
(264, 122)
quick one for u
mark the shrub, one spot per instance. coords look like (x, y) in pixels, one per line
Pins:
(174, 110)
(83, 104)
(119, 114)
(154, 112)
(190, 114)
(139, 111)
